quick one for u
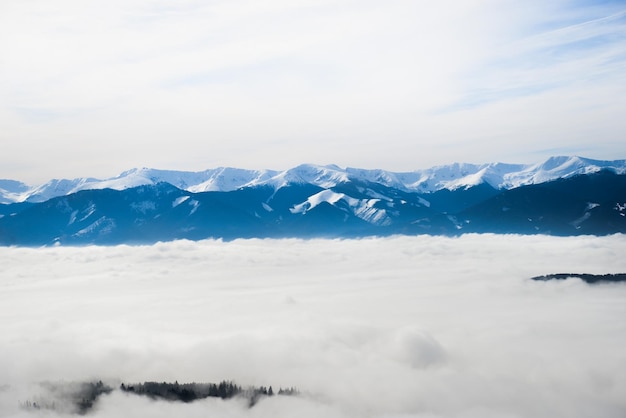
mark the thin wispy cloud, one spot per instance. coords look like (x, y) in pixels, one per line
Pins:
(399, 85)
(587, 53)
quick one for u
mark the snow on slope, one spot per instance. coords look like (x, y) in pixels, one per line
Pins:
(560, 167)
(497, 175)
(324, 196)
(224, 179)
(12, 191)
(323, 176)
(362, 208)
(227, 179)
(452, 176)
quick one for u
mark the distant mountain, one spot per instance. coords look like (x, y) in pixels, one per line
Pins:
(161, 212)
(321, 202)
(448, 177)
(593, 204)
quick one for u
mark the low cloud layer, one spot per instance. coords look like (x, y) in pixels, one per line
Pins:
(395, 327)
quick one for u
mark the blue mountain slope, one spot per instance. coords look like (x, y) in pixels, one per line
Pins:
(584, 204)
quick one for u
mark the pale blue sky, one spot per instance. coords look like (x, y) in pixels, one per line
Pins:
(94, 88)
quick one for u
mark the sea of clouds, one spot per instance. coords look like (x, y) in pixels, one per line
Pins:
(382, 327)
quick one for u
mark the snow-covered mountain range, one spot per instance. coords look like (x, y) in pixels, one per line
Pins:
(446, 177)
(560, 196)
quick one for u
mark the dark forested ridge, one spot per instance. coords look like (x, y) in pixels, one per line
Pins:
(589, 278)
(589, 204)
(189, 392)
(80, 398)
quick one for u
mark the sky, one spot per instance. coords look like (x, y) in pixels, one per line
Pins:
(397, 327)
(90, 89)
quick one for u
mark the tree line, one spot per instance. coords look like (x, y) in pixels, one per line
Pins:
(81, 397)
(189, 392)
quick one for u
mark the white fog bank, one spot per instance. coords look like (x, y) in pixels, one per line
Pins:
(394, 327)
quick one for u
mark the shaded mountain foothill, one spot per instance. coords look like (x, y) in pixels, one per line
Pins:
(582, 205)
(592, 204)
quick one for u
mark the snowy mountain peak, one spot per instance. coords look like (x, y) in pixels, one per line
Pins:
(451, 177)
(228, 179)
(560, 167)
(323, 176)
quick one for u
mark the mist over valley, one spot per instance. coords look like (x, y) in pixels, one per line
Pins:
(377, 327)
